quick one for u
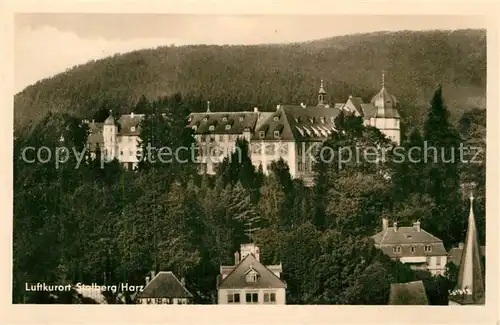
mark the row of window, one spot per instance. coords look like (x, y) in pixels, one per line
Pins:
(398, 249)
(270, 149)
(305, 167)
(251, 298)
(262, 134)
(163, 301)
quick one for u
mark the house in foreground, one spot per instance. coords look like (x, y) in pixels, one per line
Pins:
(470, 289)
(411, 293)
(248, 281)
(413, 246)
(164, 288)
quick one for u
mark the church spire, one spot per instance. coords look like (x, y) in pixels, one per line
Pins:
(321, 94)
(470, 285)
(383, 79)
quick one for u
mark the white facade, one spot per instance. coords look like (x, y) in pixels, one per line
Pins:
(252, 296)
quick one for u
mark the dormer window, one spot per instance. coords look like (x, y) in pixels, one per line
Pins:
(132, 129)
(194, 127)
(322, 120)
(396, 249)
(228, 126)
(241, 118)
(262, 134)
(428, 248)
(224, 118)
(276, 134)
(190, 119)
(252, 276)
(276, 118)
(211, 127)
(205, 119)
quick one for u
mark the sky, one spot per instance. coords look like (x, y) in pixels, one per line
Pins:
(49, 43)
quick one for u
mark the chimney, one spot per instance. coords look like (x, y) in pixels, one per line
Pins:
(132, 114)
(395, 226)
(147, 280)
(416, 225)
(183, 281)
(385, 224)
(236, 258)
(255, 109)
(152, 275)
(278, 107)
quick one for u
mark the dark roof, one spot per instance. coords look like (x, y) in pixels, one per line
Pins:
(127, 124)
(408, 237)
(455, 254)
(95, 135)
(411, 293)
(238, 122)
(165, 285)
(236, 278)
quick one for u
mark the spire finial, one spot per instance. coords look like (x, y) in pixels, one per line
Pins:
(383, 78)
(322, 83)
(208, 106)
(110, 112)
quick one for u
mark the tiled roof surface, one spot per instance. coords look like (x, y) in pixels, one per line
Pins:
(165, 285)
(223, 122)
(129, 124)
(236, 279)
(411, 293)
(456, 254)
(408, 237)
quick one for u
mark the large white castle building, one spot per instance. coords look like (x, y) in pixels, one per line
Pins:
(286, 133)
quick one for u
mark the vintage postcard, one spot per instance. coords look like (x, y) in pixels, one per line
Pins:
(291, 165)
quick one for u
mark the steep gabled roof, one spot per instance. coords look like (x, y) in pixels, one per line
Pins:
(236, 278)
(411, 293)
(129, 124)
(470, 285)
(165, 285)
(238, 122)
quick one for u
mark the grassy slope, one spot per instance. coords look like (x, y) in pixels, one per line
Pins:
(265, 75)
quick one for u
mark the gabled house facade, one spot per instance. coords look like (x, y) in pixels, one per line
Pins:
(164, 288)
(413, 246)
(248, 281)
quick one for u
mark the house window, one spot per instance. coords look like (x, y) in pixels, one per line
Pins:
(396, 249)
(252, 297)
(221, 138)
(269, 297)
(413, 249)
(211, 127)
(428, 248)
(224, 118)
(276, 134)
(438, 261)
(262, 134)
(228, 126)
(121, 152)
(251, 277)
(241, 118)
(428, 260)
(132, 128)
(229, 137)
(233, 298)
(299, 166)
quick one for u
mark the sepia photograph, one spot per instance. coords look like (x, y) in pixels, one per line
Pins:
(231, 159)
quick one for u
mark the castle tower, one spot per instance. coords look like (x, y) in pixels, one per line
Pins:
(321, 94)
(109, 136)
(470, 288)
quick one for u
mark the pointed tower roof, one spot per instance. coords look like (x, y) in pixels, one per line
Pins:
(322, 88)
(384, 99)
(470, 285)
(110, 120)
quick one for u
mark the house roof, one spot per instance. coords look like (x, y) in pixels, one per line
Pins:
(455, 254)
(223, 122)
(411, 293)
(408, 237)
(165, 285)
(129, 124)
(236, 278)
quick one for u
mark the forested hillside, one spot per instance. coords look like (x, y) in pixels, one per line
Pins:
(241, 77)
